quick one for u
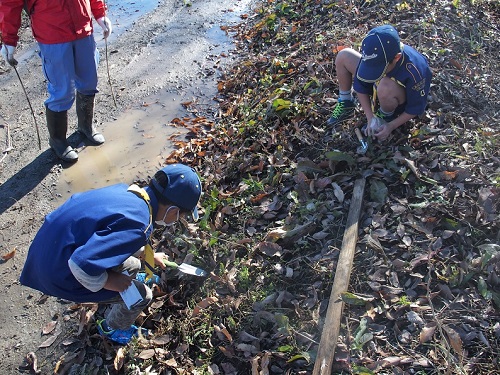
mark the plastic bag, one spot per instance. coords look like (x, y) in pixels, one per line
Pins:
(377, 124)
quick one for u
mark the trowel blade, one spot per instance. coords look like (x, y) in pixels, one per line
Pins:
(191, 270)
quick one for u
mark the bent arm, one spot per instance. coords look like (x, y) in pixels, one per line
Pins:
(92, 283)
(10, 20)
(98, 8)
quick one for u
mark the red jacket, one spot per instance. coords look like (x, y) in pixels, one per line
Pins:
(52, 21)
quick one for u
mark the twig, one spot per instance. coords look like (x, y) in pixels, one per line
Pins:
(107, 69)
(8, 142)
(31, 108)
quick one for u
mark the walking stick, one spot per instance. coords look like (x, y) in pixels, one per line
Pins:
(107, 68)
(107, 63)
(29, 103)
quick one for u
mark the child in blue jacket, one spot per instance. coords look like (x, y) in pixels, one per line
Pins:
(88, 249)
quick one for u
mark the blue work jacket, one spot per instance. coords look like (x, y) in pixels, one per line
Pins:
(98, 230)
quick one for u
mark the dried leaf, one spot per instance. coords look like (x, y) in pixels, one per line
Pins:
(454, 339)
(48, 342)
(223, 333)
(9, 255)
(119, 359)
(427, 332)
(146, 354)
(270, 248)
(204, 304)
(161, 340)
(247, 348)
(49, 327)
(339, 194)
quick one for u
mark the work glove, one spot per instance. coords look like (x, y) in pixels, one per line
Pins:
(375, 126)
(8, 54)
(105, 23)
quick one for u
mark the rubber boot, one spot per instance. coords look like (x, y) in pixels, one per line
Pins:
(85, 114)
(57, 123)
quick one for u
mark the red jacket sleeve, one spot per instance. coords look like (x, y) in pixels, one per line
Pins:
(10, 20)
(98, 8)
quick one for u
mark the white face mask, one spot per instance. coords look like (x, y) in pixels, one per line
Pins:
(162, 221)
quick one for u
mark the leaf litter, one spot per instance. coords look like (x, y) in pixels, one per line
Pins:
(425, 290)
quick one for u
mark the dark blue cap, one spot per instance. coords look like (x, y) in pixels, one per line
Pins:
(378, 49)
(183, 187)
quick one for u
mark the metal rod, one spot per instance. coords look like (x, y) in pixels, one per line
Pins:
(29, 103)
(107, 68)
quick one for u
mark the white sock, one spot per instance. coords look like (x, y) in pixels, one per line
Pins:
(386, 114)
(345, 95)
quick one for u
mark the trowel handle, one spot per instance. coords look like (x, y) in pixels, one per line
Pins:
(358, 134)
(170, 264)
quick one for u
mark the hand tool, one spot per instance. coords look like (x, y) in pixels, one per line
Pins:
(185, 268)
(364, 146)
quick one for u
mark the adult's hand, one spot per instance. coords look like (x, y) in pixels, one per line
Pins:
(105, 23)
(117, 282)
(8, 54)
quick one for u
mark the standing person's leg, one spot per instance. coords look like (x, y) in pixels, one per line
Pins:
(86, 62)
(346, 63)
(57, 65)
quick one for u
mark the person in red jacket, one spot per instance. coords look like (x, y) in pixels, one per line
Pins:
(64, 32)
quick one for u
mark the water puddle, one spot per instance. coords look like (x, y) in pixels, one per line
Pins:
(138, 141)
(124, 13)
(136, 146)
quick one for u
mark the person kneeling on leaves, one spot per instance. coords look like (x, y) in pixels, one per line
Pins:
(87, 249)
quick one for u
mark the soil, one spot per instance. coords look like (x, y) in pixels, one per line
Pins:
(176, 50)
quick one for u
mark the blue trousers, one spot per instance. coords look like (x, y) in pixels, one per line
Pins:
(68, 67)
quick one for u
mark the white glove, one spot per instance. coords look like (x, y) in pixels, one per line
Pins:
(105, 23)
(8, 54)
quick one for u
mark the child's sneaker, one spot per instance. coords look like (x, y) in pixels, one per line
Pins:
(155, 279)
(342, 112)
(119, 336)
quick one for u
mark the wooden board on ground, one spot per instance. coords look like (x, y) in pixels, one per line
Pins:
(331, 328)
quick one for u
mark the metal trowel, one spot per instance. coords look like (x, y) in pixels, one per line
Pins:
(185, 268)
(363, 145)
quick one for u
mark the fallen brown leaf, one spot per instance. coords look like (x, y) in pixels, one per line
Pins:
(9, 255)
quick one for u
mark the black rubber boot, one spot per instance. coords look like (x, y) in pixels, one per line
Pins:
(85, 114)
(57, 123)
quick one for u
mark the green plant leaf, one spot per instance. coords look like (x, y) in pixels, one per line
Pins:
(378, 191)
(340, 156)
(354, 299)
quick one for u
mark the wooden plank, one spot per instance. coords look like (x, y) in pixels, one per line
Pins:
(331, 328)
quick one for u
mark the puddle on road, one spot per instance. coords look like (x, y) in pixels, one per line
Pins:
(123, 13)
(136, 146)
(137, 142)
